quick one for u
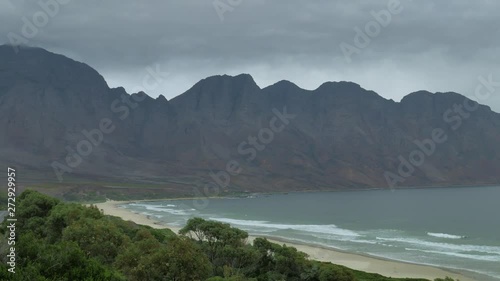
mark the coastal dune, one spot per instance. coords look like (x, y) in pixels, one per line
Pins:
(355, 261)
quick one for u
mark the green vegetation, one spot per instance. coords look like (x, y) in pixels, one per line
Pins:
(3, 200)
(62, 241)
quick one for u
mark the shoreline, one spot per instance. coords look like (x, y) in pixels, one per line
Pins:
(361, 262)
(401, 269)
(245, 194)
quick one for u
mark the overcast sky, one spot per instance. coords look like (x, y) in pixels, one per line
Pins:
(431, 45)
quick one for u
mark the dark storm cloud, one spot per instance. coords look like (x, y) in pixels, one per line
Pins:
(433, 45)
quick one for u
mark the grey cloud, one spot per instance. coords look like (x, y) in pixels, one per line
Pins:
(433, 45)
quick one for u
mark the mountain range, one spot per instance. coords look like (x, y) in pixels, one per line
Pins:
(60, 121)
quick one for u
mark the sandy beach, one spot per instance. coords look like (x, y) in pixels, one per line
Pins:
(355, 261)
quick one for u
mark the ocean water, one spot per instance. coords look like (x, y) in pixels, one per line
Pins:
(456, 228)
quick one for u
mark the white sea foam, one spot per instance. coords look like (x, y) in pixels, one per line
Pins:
(362, 241)
(330, 237)
(160, 208)
(445, 246)
(460, 255)
(326, 229)
(445, 235)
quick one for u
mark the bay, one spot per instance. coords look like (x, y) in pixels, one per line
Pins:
(456, 228)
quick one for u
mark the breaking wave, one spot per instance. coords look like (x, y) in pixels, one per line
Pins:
(445, 235)
(314, 228)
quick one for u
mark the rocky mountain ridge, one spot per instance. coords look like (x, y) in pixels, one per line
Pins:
(59, 119)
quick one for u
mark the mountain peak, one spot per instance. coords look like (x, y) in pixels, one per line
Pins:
(417, 95)
(161, 98)
(241, 79)
(345, 89)
(283, 85)
(339, 86)
(38, 65)
(234, 84)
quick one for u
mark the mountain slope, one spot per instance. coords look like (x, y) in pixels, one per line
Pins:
(336, 136)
